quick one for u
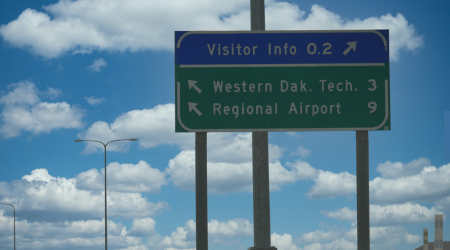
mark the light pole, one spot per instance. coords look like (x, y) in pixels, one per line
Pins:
(14, 223)
(104, 145)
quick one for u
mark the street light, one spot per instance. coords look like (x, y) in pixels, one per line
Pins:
(106, 218)
(14, 223)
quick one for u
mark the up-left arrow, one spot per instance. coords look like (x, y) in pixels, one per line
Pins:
(192, 84)
(193, 106)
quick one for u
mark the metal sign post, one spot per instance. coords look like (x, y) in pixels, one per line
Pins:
(260, 158)
(201, 191)
(362, 189)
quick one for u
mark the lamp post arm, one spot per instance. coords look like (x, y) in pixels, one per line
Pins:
(14, 223)
(132, 139)
(89, 140)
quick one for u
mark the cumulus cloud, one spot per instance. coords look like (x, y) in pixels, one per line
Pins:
(341, 214)
(182, 237)
(337, 244)
(94, 101)
(236, 227)
(224, 177)
(152, 127)
(53, 93)
(236, 148)
(97, 65)
(389, 215)
(387, 237)
(380, 238)
(42, 197)
(124, 178)
(320, 236)
(429, 185)
(443, 204)
(142, 227)
(221, 232)
(401, 214)
(294, 134)
(134, 25)
(391, 170)
(301, 151)
(85, 234)
(331, 185)
(22, 110)
(283, 242)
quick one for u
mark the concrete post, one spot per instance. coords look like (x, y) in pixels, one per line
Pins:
(201, 191)
(362, 189)
(260, 154)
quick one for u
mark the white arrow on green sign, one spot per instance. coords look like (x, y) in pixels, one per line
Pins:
(282, 81)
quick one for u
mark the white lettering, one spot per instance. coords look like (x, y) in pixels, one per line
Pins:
(211, 50)
(218, 86)
(281, 85)
(292, 108)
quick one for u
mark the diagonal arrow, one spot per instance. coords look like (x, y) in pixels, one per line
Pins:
(192, 84)
(192, 106)
(352, 45)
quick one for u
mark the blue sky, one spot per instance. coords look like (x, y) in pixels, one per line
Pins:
(105, 70)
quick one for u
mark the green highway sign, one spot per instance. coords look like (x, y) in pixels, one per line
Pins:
(282, 81)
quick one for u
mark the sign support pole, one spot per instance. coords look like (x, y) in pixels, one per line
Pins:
(201, 191)
(260, 158)
(362, 189)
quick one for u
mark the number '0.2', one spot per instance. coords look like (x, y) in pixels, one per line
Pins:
(312, 49)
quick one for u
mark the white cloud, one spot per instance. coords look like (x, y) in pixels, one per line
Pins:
(53, 93)
(231, 228)
(301, 151)
(430, 185)
(283, 242)
(23, 111)
(294, 134)
(224, 177)
(236, 148)
(182, 237)
(443, 204)
(142, 227)
(23, 93)
(381, 238)
(341, 214)
(391, 170)
(389, 215)
(124, 178)
(331, 185)
(84, 26)
(388, 237)
(141, 247)
(85, 234)
(94, 101)
(221, 232)
(401, 214)
(341, 244)
(152, 127)
(42, 197)
(97, 65)
(320, 236)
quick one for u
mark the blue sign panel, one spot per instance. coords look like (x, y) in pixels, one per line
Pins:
(247, 48)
